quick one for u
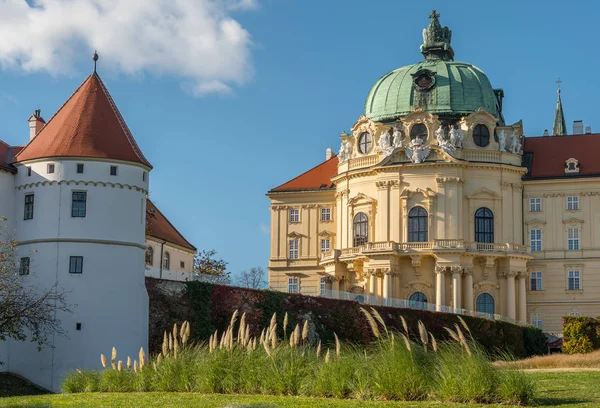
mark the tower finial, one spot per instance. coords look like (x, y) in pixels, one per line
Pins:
(95, 58)
(436, 39)
(560, 126)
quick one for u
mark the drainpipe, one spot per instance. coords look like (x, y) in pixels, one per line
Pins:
(162, 254)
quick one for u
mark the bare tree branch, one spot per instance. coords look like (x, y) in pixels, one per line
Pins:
(253, 279)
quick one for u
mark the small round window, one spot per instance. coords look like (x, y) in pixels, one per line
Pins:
(481, 135)
(418, 130)
(365, 141)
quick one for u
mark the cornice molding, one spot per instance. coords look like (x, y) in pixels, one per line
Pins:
(81, 182)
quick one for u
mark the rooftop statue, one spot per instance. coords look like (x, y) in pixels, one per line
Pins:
(418, 151)
(502, 141)
(436, 40)
(456, 137)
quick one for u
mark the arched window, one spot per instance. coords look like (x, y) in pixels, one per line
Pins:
(418, 130)
(361, 229)
(481, 135)
(149, 256)
(167, 262)
(417, 300)
(417, 225)
(484, 225)
(485, 303)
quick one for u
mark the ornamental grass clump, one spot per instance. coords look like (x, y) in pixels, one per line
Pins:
(402, 365)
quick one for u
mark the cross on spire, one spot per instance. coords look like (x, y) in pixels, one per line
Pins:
(558, 81)
(95, 58)
(434, 15)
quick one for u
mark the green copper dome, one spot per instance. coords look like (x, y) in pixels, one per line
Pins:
(438, 85)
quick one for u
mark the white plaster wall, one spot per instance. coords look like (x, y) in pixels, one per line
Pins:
(109, 298)
(7, 182)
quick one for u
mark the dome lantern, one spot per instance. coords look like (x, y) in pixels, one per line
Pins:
(436, 40)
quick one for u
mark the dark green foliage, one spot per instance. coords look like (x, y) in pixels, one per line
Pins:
(209, 307)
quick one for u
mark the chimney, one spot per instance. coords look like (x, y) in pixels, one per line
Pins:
(588, 130)
(578, 127)
(328, 153)
(36, 123)
(546, 132)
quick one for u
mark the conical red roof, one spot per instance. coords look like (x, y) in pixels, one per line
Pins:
(87, 125)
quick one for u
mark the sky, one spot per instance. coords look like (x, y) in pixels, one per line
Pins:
(230, 98)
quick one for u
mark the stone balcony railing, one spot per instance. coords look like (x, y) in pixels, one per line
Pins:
(437, 245)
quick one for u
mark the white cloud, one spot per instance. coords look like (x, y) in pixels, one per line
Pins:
(195, 40)
(264, 228)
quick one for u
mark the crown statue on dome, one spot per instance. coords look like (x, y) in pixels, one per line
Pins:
(436, 40)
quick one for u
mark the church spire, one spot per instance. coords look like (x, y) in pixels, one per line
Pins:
(559, 128)
(436, 40)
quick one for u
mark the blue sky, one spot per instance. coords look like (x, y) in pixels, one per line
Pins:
(300, 78)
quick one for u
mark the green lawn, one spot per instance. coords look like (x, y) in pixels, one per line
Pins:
(556, 389)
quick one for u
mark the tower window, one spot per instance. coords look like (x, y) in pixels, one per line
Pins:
(28, 207)
(28, 171)
(113, 170)
(361, 229)
(77, 326)
(78, 205)
(79, 168)
(24, 266)
(481, 135)
(50, 168)
(365, 142)
(484, 225)
(417, 225)
(76, 264)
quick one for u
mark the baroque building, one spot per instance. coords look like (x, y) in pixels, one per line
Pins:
(434, 200)
(75, 198)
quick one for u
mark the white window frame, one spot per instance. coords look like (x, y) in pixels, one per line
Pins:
(575, 314)
(294, 215)
(50, 168)
(574, 274)
(537, 320)
(535, 204)
(294, 249)
(538, 279)
(325, 245)
(573, 234)
(322, 287)
(535, 239)
(325, 214)
(293, 284)
(572, 203)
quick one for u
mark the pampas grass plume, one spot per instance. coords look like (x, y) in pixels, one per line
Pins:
(371, 321)
(103, 360)
(305, 331)
(337, 345)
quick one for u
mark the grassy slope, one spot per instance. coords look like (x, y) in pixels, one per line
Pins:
(565, 389)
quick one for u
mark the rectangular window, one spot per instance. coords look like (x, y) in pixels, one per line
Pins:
(535, 239)
(293, 286)
(536, 320)
(79, 167)
(182, 265)
(574, 280)
(294, 249)
(294, 215)
(325, 214)
(76, 264)
(322, 287)
(144, 176)
(573, 238)
(536, 281)
(575, 314)
(50, 168)
(28, 171)
(325, 245)
(113, 170)
(535, 204)
(78, 204)
(28, 215)
(573, 203)
(24, 266)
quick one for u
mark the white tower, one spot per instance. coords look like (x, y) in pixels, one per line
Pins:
(80, 206)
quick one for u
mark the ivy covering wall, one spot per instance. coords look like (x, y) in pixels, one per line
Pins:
(209, 307)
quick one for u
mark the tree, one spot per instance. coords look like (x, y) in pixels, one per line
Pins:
(209, 268)
(253, 279)
(26, 311)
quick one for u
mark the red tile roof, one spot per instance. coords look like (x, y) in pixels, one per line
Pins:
(159, 227)
(545, 156)
(7, 156)
(87, 125)
(317, 178)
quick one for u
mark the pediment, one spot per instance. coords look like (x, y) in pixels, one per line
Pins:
(362, 199)
(535, 222)
(427, 193)
(484, 193)
(294, 235)
(573, 220)
(480, 116)
(326, 234)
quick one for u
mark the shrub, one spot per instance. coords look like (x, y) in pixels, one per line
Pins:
(580, 334)
(392, 368)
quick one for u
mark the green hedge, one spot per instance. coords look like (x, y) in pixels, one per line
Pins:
(581, 334)
(209, 307)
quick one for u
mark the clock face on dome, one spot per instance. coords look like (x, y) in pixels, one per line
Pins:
(424, 79)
